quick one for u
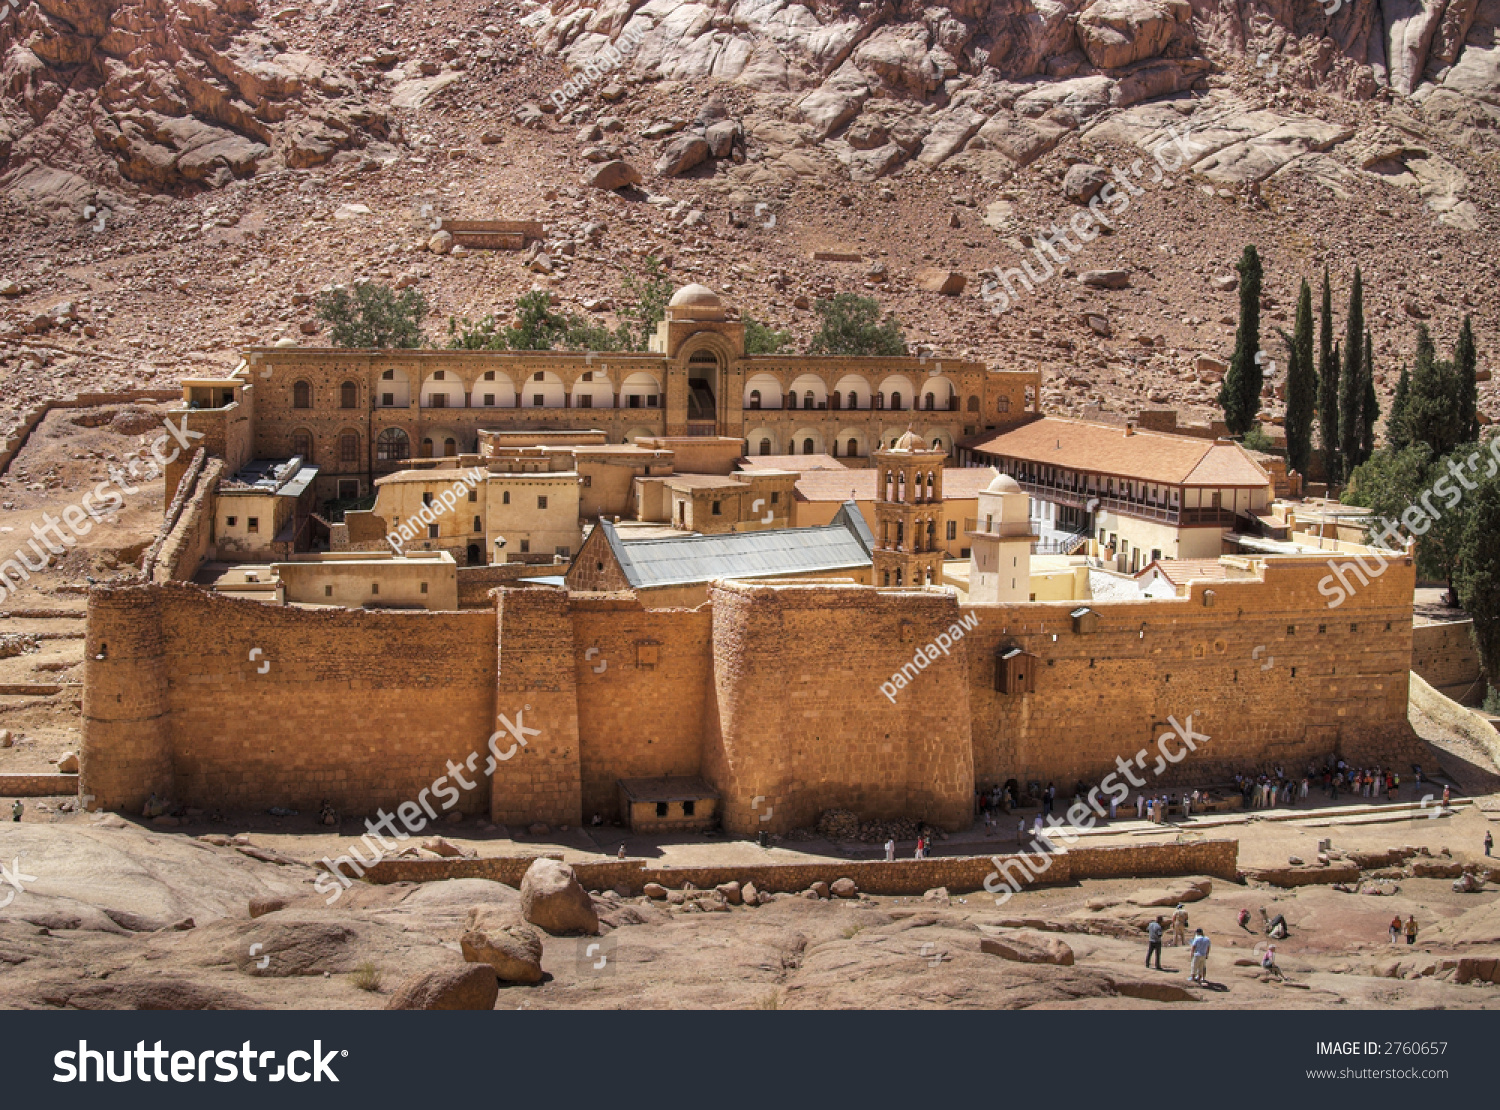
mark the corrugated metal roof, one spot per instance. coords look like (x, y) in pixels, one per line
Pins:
(689, 560)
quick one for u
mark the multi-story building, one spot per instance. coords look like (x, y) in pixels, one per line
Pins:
(361, 414)
(1130, 496)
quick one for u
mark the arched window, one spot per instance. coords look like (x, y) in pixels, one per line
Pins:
(808, 400)
(349, 447)
(879, 400)
(853, 447)
(765, 446)
(833, 400)
(807, 447)
(426, 452)
(302, 444)
(392, 446)
(302, 395)
(853, 399)
(755, 398)
(973, 404)
(450, 446)
(896, 401)
(348, 395)
(791, 400)
(931, 401)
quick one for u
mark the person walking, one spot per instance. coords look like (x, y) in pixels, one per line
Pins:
(1048, 799)
(16, 809)
(921, 846)
(1411, 929)
(1153, 942)
(1115, 802)
(1395, 929)
(1489, 841)
(890, 850)
(1198, 968)
(1140, 806)
(1179, 926)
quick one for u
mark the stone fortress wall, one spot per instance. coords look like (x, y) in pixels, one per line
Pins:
(770, 691)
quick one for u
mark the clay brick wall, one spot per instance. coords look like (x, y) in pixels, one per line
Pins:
(1445, 656)
(191, 539)
(642, 715)
(1325, 680)
(804, 725)
(475, 583)
(960, 874)
(362, 708)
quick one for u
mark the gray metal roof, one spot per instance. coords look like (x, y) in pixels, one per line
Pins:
(689, 560)
(285, 477)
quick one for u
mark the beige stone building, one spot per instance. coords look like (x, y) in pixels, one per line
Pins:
(1128, 496)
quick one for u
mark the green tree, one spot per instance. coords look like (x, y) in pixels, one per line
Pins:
(851, 325)
(1257, 440)
(1466, 363)
(651, 293)
(761, 339)
(373, 315)
(536, 326)
(1369, 406)
(1396, 436)
(1478, 575)
(1301, 385)
(1351, 377)
(1239, 395)
(1433, 415)
(1328, 389)
(487, 334)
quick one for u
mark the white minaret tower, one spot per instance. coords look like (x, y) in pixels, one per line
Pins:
(1000, 545)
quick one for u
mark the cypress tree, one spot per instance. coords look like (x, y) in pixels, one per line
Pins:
(1301, 386)
(1369, 409)
(1239, 395)
(1466, 362)
(1432, 403)
(1396, 436)
(1351, 379)
(1328, 389)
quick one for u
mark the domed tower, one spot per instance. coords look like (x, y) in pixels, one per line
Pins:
(704, 347)
(908, 513)
(1000, 545)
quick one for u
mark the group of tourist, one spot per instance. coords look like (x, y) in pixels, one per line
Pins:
(1197, 950)
(1397, 929)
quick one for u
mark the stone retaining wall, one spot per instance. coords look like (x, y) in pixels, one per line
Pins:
(960, 874)
(37, 786)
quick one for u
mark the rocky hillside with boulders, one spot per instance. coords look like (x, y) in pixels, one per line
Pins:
(1050, 183)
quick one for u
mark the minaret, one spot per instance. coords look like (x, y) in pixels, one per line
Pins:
(908, 513)
(1000, 545)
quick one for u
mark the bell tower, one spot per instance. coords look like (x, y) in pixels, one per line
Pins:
(908, 513)
(1000, 545)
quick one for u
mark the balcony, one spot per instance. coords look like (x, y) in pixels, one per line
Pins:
(1144, 508)
(996, 529)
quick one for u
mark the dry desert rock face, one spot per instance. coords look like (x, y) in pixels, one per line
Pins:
(178, 180)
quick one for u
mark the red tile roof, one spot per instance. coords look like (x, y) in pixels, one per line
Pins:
(1141, 456)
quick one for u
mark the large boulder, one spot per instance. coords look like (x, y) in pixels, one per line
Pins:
(1029, 948)
(552, 899)
(682, 154)
(495, 936)
(1083, 181)
(1115, 33)
(948, 282)
(470, 987)
(611, 175)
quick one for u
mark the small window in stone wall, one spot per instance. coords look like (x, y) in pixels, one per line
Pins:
(327, 591)
(374, 587)
(424, 587)
(661, 809)
(252, 524)
(525, 547)
(229, 521)
(687, 809)
(646, 653)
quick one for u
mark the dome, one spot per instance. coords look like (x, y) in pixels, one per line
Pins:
(911, 442)
(1004, 483)
(695, 296)
(696, 302)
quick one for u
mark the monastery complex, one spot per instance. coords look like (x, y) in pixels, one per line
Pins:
(725, 589)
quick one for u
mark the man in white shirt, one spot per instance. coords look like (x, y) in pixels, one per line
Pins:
(1198, 969)
(890, 850)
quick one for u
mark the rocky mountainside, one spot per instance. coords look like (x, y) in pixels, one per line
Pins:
(179, 178)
